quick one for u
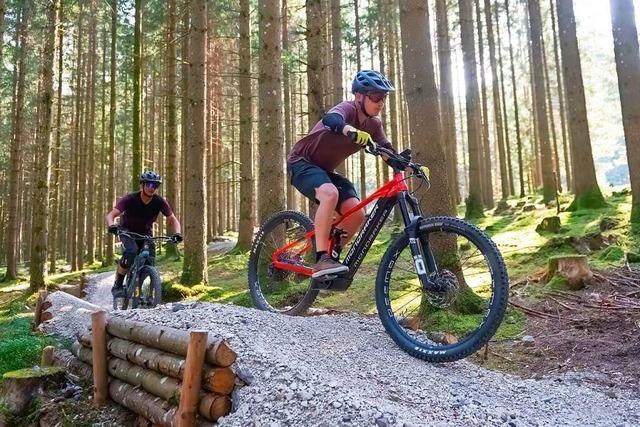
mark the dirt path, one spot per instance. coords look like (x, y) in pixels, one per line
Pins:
(99, 285)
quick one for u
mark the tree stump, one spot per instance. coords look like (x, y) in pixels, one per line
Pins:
(22, 386)
(550, 224)
(574, 268)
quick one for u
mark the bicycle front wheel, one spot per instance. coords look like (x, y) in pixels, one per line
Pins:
(462, 307)
(150, 288)
(274, 289)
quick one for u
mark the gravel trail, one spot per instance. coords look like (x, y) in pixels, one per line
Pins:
(344, 370)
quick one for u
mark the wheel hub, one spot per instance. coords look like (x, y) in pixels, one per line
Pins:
(442, 288)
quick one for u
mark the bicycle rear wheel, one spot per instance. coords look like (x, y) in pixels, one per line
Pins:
(274, 289)
(454, 318)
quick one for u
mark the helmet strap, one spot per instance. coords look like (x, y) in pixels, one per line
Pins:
(364, 110)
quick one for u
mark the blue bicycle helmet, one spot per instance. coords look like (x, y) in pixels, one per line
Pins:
(369, 80)
(150, 176)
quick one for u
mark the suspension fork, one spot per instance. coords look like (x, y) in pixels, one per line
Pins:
(423, 259)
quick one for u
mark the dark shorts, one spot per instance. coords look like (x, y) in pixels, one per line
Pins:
(135, 246)
(306, 177)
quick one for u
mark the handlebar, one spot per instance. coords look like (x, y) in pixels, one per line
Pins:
(136, 236)
(398, 161)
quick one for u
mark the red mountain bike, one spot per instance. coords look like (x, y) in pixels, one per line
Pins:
(441, 288)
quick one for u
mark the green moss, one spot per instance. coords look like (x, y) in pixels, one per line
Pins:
(613, 253)
(591, 199)
(34, 372)
(558, 282)
(468, 302)
(474, 207)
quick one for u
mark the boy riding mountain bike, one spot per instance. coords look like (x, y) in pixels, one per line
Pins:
(343, 131)
(139, 211)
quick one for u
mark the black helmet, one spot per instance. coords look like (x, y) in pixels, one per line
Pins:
(150, 176)
(368, 80)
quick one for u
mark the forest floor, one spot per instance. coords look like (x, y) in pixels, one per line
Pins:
(590, 335)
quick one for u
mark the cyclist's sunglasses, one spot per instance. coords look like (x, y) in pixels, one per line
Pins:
(152, 184)
(377, 96)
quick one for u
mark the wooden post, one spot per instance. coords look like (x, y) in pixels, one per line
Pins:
(99, 345)
(47, 356)
(189, 394)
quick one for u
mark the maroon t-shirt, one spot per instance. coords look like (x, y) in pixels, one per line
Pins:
(326, 149)
(139, 217)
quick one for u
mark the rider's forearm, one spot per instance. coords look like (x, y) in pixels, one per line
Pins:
(174, 225)
(110, 219)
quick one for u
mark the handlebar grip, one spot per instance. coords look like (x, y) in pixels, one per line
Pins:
(352, 135)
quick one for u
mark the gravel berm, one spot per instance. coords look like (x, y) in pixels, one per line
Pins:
(344, 370)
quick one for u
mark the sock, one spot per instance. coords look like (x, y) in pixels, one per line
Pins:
(319, 255)
(336, 252)
(119, 279)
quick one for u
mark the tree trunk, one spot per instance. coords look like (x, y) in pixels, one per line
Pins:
(474, 131)
(422, 95)
(245, 234)
(194, 268)
(17, 147)
(446, 98)
(55, 204)
(507, 143)
(40, 198)
(171, 140)
(271, 176)
(112, 125)
(497, 113)
(515, 103)
(625, 43)
(90, 144)
(336, 56)
(546, 160)
(586, 188)
(315, 67)
(485, 156)
(561, 98)
(136, 157)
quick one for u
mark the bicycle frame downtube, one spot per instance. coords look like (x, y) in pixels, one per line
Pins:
(367, 235)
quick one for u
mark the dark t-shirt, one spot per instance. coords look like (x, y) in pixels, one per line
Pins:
(326, 149)
(138, 217)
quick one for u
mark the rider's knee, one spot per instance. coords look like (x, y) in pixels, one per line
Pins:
(327, 193)
(359, 215)
(127, 259)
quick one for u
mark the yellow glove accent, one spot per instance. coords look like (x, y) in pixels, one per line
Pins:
(362, 138)
(425, 171)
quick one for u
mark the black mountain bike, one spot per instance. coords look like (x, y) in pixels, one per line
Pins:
(142, 285)
(441, 288)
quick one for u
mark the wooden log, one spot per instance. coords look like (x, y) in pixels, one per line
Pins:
(156, 410)
(214, 406)
(66, 359)
(214, 379)
(218, 352)
(99, 347)
(158, 385)
(162, 386)
(190, 392)
(47, 356)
